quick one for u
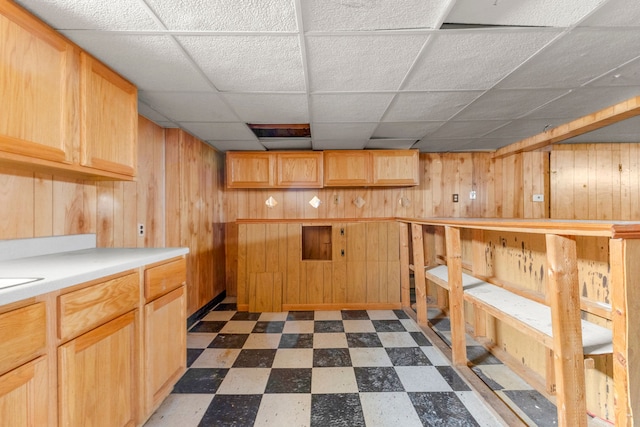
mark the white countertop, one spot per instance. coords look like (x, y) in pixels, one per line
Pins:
(64, 269)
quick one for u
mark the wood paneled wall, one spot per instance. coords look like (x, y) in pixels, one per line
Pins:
(504, 188)
(595, 181)
(39, 205)
(194, 215)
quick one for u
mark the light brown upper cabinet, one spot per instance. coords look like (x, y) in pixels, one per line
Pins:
(250, 169)
(299, 169)
(347, 168)
(63, 111)
(109, 131)
(395, 167)
(38, 90)
(259, 169)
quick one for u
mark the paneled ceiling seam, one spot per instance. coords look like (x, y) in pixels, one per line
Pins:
(609, 71)
(302, 42)
(445, 13)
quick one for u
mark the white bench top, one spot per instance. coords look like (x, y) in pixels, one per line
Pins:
(595, 339)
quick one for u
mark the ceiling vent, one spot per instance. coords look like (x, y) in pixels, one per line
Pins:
(296, 130)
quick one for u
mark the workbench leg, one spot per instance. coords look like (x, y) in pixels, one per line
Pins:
(456, 296)
(418, 273)
(564, 293)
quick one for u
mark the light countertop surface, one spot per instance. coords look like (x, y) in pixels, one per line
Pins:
(60, 270)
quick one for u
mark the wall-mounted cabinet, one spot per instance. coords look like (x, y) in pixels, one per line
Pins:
(63, 111)
(353, 168)
(315, 169)
(299, 169)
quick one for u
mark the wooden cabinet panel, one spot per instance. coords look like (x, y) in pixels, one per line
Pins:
(97, 376)
(165, 346)
(395, 167)
(250, 169)
(38, 89)
(18, 348)
(163, 278)
(23, 395)
(265, 292)
(109, 119)
(87, 308)
(299, 169)
(347, 168)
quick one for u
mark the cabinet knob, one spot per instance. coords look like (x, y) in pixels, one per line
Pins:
(342, 231)
(341, 252)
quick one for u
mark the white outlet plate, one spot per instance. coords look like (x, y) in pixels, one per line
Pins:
(140, 229)
(472, 195)
(538, 197)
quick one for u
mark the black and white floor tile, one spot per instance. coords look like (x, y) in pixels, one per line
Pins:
(322, 368)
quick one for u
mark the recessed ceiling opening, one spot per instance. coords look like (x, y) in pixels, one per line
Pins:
(296, 130)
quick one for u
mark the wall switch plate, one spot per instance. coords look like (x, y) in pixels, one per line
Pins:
(472, 195)
(140, 229)
(538, 197)
(455, 198)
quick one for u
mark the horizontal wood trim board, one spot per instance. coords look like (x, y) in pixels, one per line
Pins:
(340, 306)
(315, 221)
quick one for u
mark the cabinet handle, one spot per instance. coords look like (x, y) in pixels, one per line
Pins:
(341, 252)
(342, 231)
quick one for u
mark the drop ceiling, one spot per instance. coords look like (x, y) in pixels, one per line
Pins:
(366, 73)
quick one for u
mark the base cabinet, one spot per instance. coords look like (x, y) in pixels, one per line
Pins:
(23, 395)
(165, 346)
(97, 378)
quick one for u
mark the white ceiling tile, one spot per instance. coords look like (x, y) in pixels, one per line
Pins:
(286, 144)
(360, 131)
(339, 144)
(421, 106)
(544, 13)
(625, 131)
(615, 13)
(576, 58)
(152, 62)
(236, 145)
(226, 15)
(434, 145)
(523, 128)
(583, 101)
(249, 63)
(150, 113)
(219, 131)
(269, 107)
(508, 104)
(415, 130)
(474, 59)
(390, 144)
(109, 15)
(189, 106)
(466, 129)
(323, 15)
(627, 75)
(349, 107)
(360, 63)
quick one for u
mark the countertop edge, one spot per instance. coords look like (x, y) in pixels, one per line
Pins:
(132, 260)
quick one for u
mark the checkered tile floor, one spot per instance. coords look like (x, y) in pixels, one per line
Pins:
(323, 368)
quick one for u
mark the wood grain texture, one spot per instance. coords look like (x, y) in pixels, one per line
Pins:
(23, 395)
(16, 349)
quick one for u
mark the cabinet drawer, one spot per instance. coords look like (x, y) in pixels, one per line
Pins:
(23, 335)
(89, 307)
(163, 278)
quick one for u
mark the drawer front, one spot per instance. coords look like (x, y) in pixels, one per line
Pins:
(23, 335)
(163, 278)
(87, 308)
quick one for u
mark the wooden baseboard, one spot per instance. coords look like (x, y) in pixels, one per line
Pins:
(343, 306)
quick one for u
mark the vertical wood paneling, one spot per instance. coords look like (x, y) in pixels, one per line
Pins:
(43, 189)
(17, 207)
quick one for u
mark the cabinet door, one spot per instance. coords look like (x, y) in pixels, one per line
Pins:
(18, 348)
(97, 376)
(23, 395)
(299, 170)
(165, 345)
(344, 168)
(38, 89)
(109, 119)
(395, 167)
(250, 170)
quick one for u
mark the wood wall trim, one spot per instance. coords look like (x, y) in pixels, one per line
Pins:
(311, 220)
(599, 119)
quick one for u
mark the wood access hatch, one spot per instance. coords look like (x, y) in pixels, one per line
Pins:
(316, 242)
